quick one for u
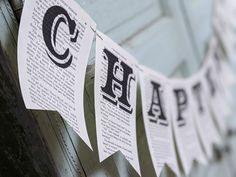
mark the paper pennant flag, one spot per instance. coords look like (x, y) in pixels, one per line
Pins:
(115, 100)
(157, 120)
(54, 42)
(187, 141)
(215, 94)
(202, 117)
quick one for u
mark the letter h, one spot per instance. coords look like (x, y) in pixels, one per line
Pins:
(118, 83)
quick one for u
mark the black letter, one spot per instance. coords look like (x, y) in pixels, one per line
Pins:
(156, 106)
(119, 77)
(197, 88)
(210, 81)
(181, 100)
(54, 16)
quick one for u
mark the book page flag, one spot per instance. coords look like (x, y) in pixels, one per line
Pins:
(226, 76)
(203, 119)
(185, 133)
(55, 39)
(214, 94)
(228, 7)
(224, 24)
(225, 12)
(116, 75)
(54, 42)
(157, 120)
(227, 82)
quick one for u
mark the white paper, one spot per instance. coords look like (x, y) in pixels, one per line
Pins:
(219, 79)
(203, 119)
(115, 100)
(214, 95)
(227, 81)
(185, 133)
(223, 76)
(225, 25)
(54, 42)
(227, 74)
(157, 120)
(221, 63)
(224, 73)
(226, 8)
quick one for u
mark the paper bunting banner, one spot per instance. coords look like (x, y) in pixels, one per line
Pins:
(157, 122)
(55, 38)
(187, 141)
(115, 100)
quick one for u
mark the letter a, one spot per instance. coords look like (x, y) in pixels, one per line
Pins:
(156, 110)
